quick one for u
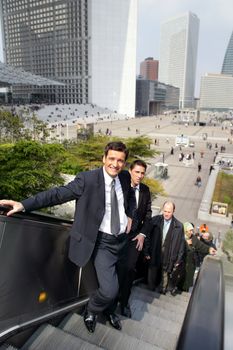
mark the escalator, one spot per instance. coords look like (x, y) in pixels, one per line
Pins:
(42, 297)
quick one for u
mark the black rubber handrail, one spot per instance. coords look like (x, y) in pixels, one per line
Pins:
(5, 335)
(39, 215)
(203, 326)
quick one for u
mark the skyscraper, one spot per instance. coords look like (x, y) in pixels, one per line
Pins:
(178, 55)
(227, 67)
(216, 92)
(90, 45)
(149, 68)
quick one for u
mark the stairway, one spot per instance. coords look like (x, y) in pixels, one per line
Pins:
(155, 324)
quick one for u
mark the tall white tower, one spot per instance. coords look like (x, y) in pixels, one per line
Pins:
(112, 54)
(178, 55)
(89, 45)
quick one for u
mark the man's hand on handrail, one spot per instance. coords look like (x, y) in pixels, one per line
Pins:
(16, 206)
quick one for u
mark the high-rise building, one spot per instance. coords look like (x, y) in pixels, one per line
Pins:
(90, 45)
(227, 67)
(178, 55)
(149, 68)
(216, 92)
(153, 97)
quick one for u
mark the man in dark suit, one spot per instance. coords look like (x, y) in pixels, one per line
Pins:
(140, 225)
(164, 249)
(97, 233)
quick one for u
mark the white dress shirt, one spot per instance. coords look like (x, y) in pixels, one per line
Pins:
(137, 189)
(166, 225)
(106, 222)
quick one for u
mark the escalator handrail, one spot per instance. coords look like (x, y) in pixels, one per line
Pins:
(4, 335)
(203, 326)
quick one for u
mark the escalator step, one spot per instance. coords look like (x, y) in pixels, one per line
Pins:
(176, 300)
(160, 311)
(149, 333)
(48, 337)
(104, 336)
(158, 322)
(183, 296)
(160, 303)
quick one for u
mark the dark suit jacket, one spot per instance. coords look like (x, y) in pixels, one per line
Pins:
(88, 189)
(173, 246)
(143, 212)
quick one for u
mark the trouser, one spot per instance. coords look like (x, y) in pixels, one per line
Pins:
(130, 273)
(109, 258)
(153, 277)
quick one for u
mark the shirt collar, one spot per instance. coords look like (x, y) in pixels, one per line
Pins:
(107, 178)
(136, 187)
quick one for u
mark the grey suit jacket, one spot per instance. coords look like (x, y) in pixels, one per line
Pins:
(88, 189)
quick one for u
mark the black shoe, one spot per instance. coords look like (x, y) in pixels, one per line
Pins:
(90, 321)
(174, 291)
(125, 311)
(163, 291)
(114, 321)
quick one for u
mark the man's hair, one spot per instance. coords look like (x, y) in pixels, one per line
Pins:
(169, 202)
(138, 162)
(116, 146)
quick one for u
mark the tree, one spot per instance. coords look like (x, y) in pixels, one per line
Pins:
(88, 154)
(85, 155)
(11, 126)
(29, 167)
(139, 147)
(155, 187)
(38, 129)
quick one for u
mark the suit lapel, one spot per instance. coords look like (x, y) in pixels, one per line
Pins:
(101, 186)
(140, 198)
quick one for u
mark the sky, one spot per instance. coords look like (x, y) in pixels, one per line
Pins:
(216, 26)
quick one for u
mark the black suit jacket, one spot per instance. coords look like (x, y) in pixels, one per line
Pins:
(88, 189)
(173, 246)
(143, 211)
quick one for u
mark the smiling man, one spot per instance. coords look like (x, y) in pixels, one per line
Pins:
(102, 220)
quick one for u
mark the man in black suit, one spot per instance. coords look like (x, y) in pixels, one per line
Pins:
(164, 249)
(140, 225)
(96, 233)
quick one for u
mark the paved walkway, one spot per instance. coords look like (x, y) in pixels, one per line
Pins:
(179, 185)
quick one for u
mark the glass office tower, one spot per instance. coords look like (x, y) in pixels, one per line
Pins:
(227, 67)
(90, 45)
(178, 55)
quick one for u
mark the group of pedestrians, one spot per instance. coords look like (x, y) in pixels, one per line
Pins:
(112, 227)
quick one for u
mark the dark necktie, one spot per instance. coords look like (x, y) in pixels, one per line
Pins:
(135, 221)
(115, 218)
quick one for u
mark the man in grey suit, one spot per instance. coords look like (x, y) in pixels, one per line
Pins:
(96, 233)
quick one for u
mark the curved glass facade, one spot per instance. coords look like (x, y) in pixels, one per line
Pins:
(227, 67)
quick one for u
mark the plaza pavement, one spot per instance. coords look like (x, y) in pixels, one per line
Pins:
(179, 185)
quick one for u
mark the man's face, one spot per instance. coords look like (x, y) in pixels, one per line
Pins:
(167, 211)
(114, 162)
(137, 174)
